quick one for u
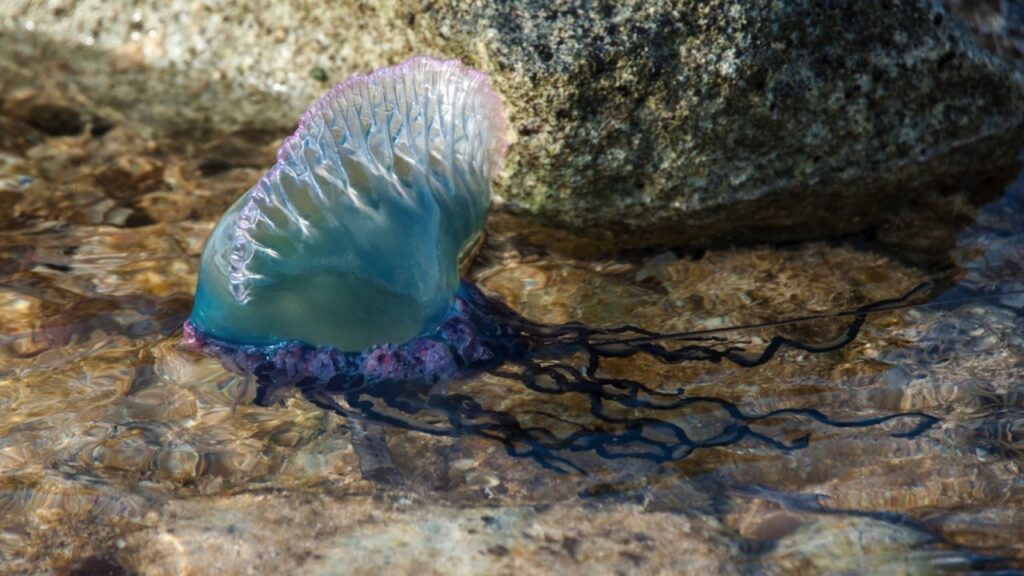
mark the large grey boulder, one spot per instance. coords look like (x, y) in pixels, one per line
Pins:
(642, 122)
(689, 121)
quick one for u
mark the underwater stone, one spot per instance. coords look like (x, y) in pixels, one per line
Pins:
(353, 238)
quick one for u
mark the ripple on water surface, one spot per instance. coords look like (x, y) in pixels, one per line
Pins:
(117, 443)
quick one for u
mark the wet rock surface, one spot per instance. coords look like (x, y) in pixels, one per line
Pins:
(639, 123)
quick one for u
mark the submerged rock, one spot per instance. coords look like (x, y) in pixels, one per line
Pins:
(644, 122)
(358, 535)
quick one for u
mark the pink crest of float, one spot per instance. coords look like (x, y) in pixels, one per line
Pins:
(492, 107)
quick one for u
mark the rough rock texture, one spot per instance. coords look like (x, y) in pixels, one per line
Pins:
(694, 119)
(679, 121)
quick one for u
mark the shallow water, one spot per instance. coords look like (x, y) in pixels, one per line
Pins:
(122, 451)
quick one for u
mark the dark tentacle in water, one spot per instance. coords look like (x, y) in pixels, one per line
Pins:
(540, 357)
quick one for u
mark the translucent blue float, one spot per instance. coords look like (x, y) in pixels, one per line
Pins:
(353, 237)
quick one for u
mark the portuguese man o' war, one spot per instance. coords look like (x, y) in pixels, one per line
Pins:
(338, 274)
(352, 239)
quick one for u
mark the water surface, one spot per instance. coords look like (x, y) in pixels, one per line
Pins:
(122, 451)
